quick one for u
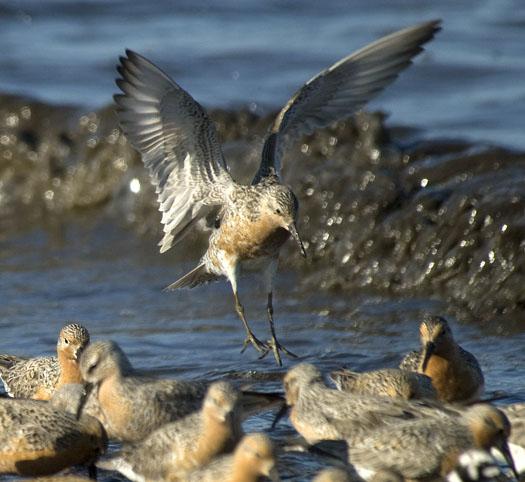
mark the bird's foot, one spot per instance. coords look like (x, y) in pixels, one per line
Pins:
(260, 346)
(276, 347)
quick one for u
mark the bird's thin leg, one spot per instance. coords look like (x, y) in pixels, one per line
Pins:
(273, 344)
(250, 337)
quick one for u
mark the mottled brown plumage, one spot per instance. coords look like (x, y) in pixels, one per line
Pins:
(321, 413)
(187, 443)
(429, 447)
(131, 406)
(37, 378)
(386, 382)
(36, 438)
(179, 146)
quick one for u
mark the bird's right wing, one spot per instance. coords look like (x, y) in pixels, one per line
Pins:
(178, 144)
(339, 91)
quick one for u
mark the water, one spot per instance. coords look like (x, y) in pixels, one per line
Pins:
(112, 282)
(468, 84)
(85, 263)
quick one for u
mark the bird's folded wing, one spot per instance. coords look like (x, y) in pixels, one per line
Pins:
(339, 91)
(178, 144)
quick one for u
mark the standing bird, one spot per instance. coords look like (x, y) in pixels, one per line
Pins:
(39, 377)
(427, 448)
(131, 406)
(455, 372)
(318, 412)
(179, 146)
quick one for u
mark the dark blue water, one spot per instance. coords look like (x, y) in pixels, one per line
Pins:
(469, 84)
(230, 53)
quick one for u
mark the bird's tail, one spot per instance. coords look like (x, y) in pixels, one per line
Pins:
(195, 277)
(6, 362)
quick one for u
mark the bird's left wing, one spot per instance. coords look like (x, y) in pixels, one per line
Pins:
(178, 144)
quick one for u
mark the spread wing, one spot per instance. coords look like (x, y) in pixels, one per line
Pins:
(178, 144)
(339, 91)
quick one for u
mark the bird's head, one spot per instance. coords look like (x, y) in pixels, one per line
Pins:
(284, 207)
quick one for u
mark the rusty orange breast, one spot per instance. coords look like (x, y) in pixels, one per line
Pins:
(249, 239)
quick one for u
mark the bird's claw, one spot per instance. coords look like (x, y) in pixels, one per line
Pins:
(261, 347)
(276, 347)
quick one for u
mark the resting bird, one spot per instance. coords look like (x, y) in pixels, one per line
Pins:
(455, 372)
(39, 377)
(179, 146)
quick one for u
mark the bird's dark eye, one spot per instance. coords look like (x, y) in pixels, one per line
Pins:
(277, 211)
(66, 341)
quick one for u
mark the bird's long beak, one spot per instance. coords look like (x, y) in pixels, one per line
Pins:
(292, 228)
(428, 350)
(279, 415)
(503, 447)
(77, 353)
(226, 416)
(88, 387)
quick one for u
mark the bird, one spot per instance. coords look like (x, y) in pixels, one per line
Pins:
(185, 444)
(179, 146)
(475, 465)
(455, 372)
(70, 398)
(333, 474)
(385, 382)
(253, 458)
(319, 413)
(37, 378)
(37, 438)
(133, 406)
(423, 448)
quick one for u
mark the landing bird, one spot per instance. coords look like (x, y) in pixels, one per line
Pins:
(179, 146)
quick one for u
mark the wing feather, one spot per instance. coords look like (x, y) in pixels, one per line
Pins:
(178, 143)
(339, 91)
